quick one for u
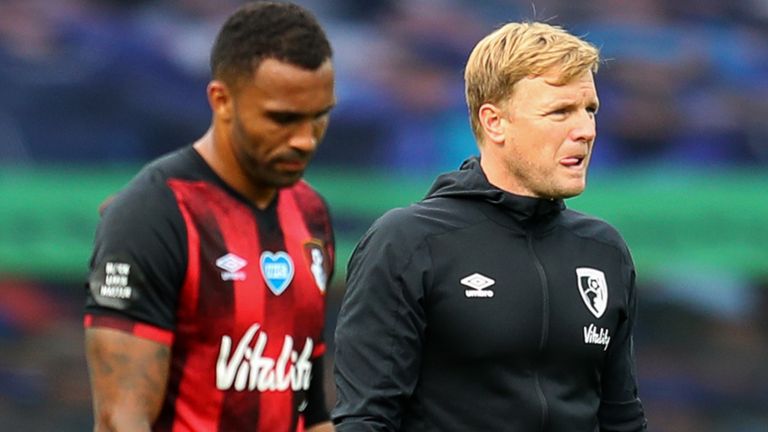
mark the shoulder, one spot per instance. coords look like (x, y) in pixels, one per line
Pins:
(431, 217)
(307, 197)
(183, 164)
(593, 228)
(147, 196)
(312, 207)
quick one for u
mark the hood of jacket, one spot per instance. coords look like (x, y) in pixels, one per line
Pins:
(470, 182)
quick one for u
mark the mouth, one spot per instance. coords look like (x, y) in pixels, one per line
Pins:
(574, 161)
(292, 164)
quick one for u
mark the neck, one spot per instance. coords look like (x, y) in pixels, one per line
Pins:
(215, 148)
(498, 175)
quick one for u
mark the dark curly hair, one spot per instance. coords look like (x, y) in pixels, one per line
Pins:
(265, 29)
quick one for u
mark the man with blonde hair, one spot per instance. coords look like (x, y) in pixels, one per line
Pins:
(489, 306)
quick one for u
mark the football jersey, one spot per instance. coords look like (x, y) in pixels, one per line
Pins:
(236, 291)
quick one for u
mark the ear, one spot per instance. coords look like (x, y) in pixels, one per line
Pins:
(220, 99)
(493, 122)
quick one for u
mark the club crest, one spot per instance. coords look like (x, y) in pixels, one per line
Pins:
(319, 265)
(593, 289)
(277, 269)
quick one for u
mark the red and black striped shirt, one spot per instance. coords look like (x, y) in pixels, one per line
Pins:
(237, 292)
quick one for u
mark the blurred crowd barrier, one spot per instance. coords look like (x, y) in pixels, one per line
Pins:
(92, 89)
(109, 81)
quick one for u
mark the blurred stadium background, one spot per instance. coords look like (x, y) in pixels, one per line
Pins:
(93, 89)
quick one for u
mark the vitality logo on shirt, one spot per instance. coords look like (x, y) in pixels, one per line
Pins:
(277, 269)
(478, 283)
(246, 368)
(597, 336)
(593, 289)
(231, 264)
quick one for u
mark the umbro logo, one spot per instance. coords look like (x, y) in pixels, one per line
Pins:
(478, 284)
(231, 264)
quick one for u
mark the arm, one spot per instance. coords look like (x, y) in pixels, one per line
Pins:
(620, 407)
(316, 413)
(138, 263)
(321, 427)
(380, 330)
(128, 379)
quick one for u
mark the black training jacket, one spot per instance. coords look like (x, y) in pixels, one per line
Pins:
(476, 310)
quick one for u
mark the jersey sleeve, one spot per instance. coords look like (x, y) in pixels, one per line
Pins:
(138, 262)
(380, 329)
(316, 411)
(620, 408)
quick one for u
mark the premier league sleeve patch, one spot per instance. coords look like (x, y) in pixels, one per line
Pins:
(113, 284)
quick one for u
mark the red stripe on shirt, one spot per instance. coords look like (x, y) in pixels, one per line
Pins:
(197, 404)
(292, 220)
(240, 234)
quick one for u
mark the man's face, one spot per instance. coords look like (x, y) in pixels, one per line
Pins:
(549, 136)
(279, 118)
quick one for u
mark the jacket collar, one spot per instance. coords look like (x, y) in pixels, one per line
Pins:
(470, 182)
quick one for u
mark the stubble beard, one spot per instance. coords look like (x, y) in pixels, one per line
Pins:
(260, 173)
(264, 176)
(541, 183)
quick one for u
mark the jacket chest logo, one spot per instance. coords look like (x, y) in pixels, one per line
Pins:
(593, 289)
(478, 284)
(277, 270)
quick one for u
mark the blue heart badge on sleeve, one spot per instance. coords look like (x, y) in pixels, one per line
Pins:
(277, 269)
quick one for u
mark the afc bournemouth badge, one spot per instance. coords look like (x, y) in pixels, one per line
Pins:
(593, 289)
(319, 264)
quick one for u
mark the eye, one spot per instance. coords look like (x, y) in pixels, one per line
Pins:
(592, 110)
(284, 118)
(559, 112)
(321, 117)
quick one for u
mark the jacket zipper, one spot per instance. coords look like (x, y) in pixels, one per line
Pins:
(544, 329)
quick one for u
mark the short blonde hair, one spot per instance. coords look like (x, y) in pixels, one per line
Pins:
(518, 50)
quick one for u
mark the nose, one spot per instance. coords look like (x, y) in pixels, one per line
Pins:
(585, 129)
(304, 137)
